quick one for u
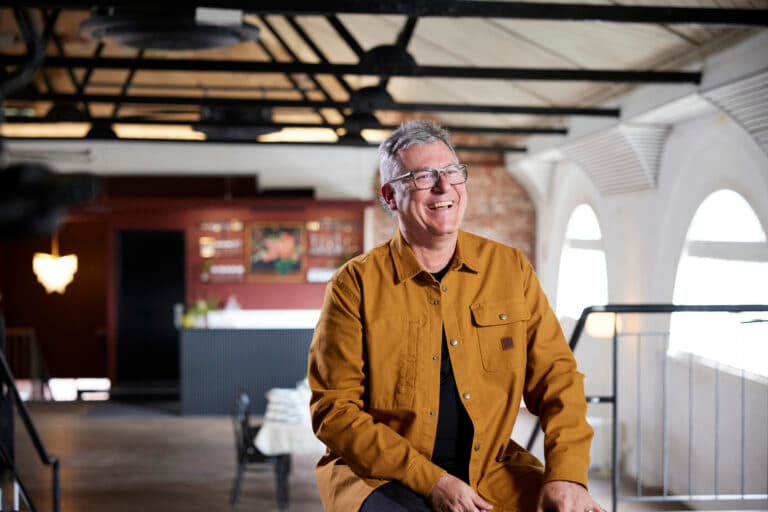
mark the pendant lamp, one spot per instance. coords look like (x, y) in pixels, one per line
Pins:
(54, 272)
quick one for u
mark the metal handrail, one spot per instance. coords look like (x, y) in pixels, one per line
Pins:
(45, 457)
(612, 399)
(31, 354)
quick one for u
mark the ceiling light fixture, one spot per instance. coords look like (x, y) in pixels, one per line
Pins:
(225, 122)
(169, 29)
(54, 272)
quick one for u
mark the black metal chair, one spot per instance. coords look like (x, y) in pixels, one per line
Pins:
(249, 457)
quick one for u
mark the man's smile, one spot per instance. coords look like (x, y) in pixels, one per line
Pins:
(441, 204)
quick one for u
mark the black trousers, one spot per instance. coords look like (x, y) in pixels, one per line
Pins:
(395, 497)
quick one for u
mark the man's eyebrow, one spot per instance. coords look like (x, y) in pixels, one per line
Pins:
(429, 167)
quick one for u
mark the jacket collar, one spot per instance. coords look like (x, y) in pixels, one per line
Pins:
(407, 266)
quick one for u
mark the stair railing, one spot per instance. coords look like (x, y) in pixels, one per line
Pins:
(25, 360)
(612, 399)
(10, 399)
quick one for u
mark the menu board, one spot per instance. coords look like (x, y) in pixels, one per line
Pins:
(221, 247)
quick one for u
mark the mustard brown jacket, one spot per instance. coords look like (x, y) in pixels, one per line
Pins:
(374, 371)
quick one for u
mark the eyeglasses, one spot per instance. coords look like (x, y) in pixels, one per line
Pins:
(426, 178)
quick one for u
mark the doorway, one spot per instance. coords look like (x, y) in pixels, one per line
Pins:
(150, 281)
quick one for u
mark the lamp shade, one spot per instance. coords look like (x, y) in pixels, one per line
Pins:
(54, 272)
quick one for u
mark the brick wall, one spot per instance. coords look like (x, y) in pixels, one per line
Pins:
(499, 207)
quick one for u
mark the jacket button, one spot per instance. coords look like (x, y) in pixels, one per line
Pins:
(434, 357)
(502, 316)
(445, 288)
(435, 302)
(431, 412)
(477, 447)
(454, 342)
(467, 396)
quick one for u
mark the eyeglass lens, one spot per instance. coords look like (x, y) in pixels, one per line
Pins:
(427, 178)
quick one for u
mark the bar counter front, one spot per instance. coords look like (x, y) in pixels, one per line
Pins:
(251, 350)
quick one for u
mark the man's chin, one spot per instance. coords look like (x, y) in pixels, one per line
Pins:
(444, 231)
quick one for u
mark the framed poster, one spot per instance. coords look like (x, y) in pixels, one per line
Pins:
(276, 251)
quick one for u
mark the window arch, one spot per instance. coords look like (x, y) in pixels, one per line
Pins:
(582, 279)
(724, 261)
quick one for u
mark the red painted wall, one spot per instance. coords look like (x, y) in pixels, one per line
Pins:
(70, 328)
(76, 331)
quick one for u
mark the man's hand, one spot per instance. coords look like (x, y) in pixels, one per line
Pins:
(564, 496)
(451, 494)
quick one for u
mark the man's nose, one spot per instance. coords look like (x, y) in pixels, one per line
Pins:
(442, 184)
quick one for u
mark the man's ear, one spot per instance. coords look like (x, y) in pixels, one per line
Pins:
(388, 194)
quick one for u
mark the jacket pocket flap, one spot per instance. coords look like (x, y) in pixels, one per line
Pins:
(499, 312)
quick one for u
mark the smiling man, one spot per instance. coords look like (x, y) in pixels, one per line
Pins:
(426, 346)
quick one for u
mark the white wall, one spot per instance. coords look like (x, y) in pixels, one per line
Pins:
(643, 236)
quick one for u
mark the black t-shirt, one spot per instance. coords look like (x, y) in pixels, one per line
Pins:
(453, 440)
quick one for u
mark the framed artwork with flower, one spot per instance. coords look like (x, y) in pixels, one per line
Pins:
(277, 251)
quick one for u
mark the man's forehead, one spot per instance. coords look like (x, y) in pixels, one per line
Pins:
(430, 154)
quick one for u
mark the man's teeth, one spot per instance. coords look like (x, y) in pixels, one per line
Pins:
(441, 204)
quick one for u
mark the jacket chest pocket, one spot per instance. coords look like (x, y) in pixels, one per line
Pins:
(500, 327)
(393, 349)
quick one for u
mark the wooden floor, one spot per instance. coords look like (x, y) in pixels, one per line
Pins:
(136, 459)
(130, 458)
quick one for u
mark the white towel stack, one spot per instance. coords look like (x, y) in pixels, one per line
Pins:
(286, 405)
(287, 426)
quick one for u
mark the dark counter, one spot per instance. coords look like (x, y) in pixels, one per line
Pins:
(216, 363)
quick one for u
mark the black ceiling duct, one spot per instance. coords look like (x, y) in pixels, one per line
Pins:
(102, 130)
(66, 111)
(169, 29)
(359, 121)
(371, 98)
(387, 60)
(227, 122)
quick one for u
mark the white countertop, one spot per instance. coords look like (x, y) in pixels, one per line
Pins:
(263, 318)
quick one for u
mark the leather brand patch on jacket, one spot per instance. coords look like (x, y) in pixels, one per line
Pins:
(507, 343)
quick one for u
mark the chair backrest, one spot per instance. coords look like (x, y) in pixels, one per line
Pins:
(240, 421)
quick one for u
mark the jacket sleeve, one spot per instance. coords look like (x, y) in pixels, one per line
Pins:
(337, 378)
(554, 389)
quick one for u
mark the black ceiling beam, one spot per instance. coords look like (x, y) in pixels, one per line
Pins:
(126, 84)
(312, 46)
(290, 77)
(401, 47)
(346, 35)
(498, 130)
(458, 8)
(275, 103)
(235, 66)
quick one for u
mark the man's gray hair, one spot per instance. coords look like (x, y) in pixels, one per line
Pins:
(408, 134)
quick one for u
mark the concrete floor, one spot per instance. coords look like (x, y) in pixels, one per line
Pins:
(130, 458)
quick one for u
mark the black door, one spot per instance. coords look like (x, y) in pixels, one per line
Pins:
(150, 280)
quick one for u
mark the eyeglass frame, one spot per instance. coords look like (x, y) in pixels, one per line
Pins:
(463, 168)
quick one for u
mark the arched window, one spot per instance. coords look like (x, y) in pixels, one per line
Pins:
(724, 261)
(582, 280)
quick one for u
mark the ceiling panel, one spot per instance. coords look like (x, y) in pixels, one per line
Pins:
(584, 44)
(371, 31)
(478, 42)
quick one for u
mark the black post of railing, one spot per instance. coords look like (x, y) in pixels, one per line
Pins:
(615, 416)
(56, 493)
(6, 416)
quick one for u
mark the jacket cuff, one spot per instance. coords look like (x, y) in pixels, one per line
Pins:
(573, 469)
(422, 475)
